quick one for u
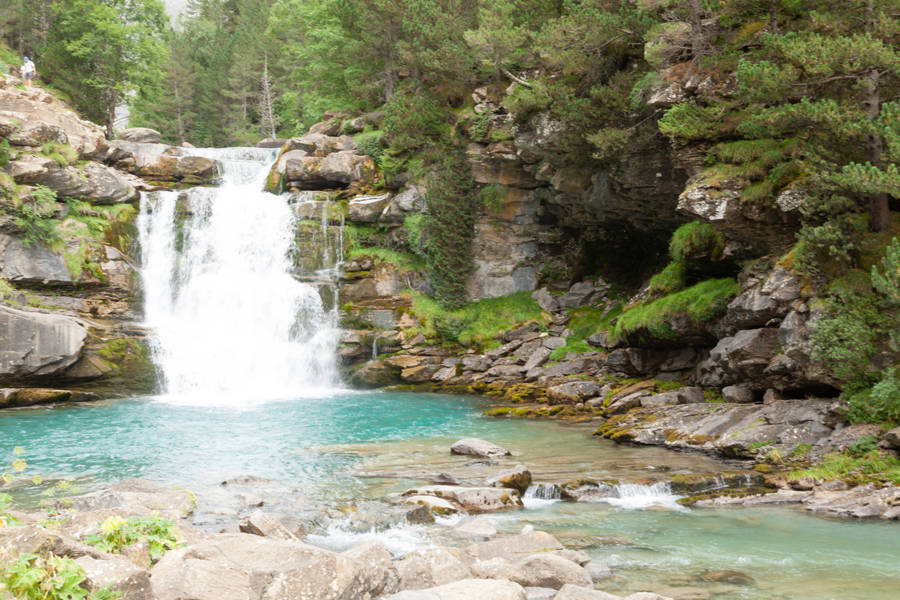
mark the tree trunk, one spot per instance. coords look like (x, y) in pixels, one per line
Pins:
(180, 117)
(773, 16)
(111, 101)
(879, 208)
(266, 100)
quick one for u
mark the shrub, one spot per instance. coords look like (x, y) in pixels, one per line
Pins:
(370, 144)
(879, 404)
(491, 197)
(696, 241)
(863, 445)
(524, 102)
(4, 154)
(117, 533)
(691, 122)
(413, 226)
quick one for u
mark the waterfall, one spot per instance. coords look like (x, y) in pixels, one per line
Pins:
(232, 323)
(636, 495)
(541, 494)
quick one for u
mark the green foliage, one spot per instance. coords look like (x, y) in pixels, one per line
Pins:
(491, 197)
(4, 154)
(697, 240)
(871, 466)
(35, 577)
(449, 227)
(585, 322)
(370, 143)
(401, 260)
(669, 280)
(63, 154)
(36, 217)
(524, 102)
(863, 445)
(412, 118)
(117, 533)
(878, 404)
(887, 283)
(691, 122)
(701, 303)
(476, 323)
(413, 226)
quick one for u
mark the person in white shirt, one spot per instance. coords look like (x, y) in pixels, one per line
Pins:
(28, 71)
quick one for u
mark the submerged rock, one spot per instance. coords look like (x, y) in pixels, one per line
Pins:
(467, 589)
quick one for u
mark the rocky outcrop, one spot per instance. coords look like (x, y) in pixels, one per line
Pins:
(159, 162)
(38, 345)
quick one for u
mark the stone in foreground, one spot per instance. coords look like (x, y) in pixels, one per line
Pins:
(467, 589)
(473, 499)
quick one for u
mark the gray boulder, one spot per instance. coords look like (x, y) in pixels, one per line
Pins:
(34, 344)
(138, 497)
(514, 547)
(477, 447)
(367, 209)
(31, 264)
(471, 499)
(262, 524)
(572, 392)
(576, 592)
(375, 562)
(517, 478)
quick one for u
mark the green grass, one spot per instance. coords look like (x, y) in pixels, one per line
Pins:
(873, 466)
(403, 261)
(702, 302)
(476, 323)
(585, 322)
(695, 239)
(668, 281)
(63, 154)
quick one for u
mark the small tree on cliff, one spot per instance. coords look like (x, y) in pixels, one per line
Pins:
(99, 52)
(834, 88)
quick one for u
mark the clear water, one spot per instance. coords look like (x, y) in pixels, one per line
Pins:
(350, 447)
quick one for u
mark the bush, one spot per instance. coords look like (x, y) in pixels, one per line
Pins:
(370, 144)
(4, 154)
(696, 241)
(37, 211)
(34, 577)
(413, 226)
(691, 122)
(523, 102)
(878, 404)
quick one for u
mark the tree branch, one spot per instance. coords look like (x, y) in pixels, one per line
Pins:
(518, 80)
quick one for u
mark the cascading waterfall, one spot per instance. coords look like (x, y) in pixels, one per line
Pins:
(232, 323)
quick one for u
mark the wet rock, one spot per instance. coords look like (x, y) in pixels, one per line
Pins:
(377, 569)
(430, 567)
(477, 447)
(726, 577)
(140, 134)
(539, 593)
(434, 504)
(472, 499)
(572, 392)
(259, 523)
(467, 589)
(685, 395)
(10, 397)
(420, 515)
(517, 478)
(739, 394)
(116, 574)
(445, 479)
(38, 344)
(577, 592)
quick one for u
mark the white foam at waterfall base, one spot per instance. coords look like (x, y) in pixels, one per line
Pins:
(539, 495)
(232, 326)
(638, 496)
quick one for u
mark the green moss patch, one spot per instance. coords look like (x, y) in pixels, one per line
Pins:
(873, 466)
(701, 303)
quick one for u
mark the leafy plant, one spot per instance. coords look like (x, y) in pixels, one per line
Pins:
(863, 445)
(35, 577)
(116, 533)
(4, 154)
(370, 144)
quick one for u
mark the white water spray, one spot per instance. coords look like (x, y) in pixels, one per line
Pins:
(233, 325)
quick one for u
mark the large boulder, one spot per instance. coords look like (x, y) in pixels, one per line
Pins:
(544, 570)
(242, 566)
(35, 344)
(375, 562)
(138, 497)
(512, 548)
(572, 392)
(517, 478)
(742, 357)
(367, 209)
(160, 162)
(336, 170)
(117, 575)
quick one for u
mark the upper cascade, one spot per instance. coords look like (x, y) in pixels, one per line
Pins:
(232, 324)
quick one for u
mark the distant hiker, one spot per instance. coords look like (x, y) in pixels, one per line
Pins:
(28, 71)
